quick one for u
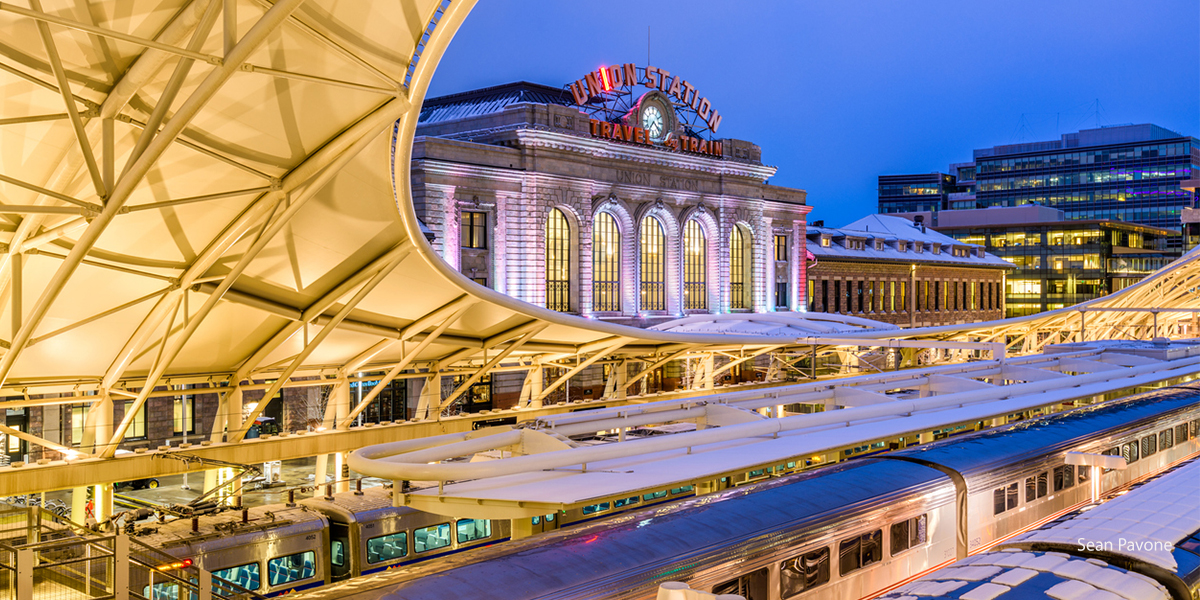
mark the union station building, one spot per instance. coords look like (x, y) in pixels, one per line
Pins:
(633, 218)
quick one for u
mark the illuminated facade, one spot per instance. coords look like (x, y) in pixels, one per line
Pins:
(1062, 262)
(1130, 173)
(889, 269)
(604, 220)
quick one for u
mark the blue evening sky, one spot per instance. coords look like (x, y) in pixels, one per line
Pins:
(839, 92)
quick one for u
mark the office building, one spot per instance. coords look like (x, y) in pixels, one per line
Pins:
(1128, 173)
(1060, 262)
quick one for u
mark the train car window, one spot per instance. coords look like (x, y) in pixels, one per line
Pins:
(803, 572)
(337, 553)
(1149, 445)
(292, 567)
(1064, 477)
(872, 546)
(1005, 498)
(1082, 474)
(1130, 452)
(1043, 484)
(860, 551)
(918, 531)
(654, 496)
(537, 520)
(161, 591)
(1166, 438)
(681, 490)
(758, 473)
(387, 547)
(1181, 433)
(625, 502)
(470, 530)
(595, 508)
(244, 576)
(431, 538)
(1196, 428)
(908, 534)
(900, 537)
(850, 555)
(751, 586)
(791, 465)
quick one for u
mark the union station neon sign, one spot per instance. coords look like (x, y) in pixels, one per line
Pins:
(671, 115)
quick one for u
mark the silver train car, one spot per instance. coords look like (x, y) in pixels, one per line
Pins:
(848, 530)
(278, 549)
(1050, 561)
(281, 548)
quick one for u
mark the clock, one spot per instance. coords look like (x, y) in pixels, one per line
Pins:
(653, 113)
(652, 122)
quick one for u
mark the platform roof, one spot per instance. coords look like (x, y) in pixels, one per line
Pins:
(197, 191)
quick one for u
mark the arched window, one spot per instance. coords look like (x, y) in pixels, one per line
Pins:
(558, 261)
(739, 269)
(606, 264)
(695, 267)
(652, 263)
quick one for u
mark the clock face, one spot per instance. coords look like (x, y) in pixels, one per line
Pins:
(652, 121)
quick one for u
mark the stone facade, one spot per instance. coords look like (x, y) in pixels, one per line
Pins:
(516, 164)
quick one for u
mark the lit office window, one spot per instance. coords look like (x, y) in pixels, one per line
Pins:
(695, 267)
(184, 416)
(606, 264)
(652, 263)
(78, 418)
(781, 248)
(473, 230)
(558, 261)
(137, 428)
(737, 268)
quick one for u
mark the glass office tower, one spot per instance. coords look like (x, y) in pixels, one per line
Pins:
(915, 193)
(1125, 173)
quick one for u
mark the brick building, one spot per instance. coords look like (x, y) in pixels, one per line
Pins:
(889, 269)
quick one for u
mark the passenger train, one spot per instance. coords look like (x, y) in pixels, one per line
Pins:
(846, 530)
(1049, 562)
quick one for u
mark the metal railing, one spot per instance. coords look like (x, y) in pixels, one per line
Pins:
(46, 556)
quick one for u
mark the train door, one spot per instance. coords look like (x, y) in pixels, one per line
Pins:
(339, 551)
(751, 586)
(545, 523)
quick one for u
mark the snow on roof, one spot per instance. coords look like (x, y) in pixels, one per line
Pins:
(892, 229)
(489, 100)
(782, 324)
(1145, 525)
(1013, 575)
